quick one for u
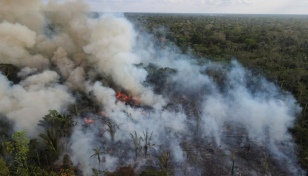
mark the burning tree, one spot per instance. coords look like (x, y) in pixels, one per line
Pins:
(88, 122)
(67, 166)
(128, 100)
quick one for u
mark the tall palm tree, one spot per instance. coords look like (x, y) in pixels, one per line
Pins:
(33, 151)
(52, 141)
(97, 152)
(73, 109)
(60, 123)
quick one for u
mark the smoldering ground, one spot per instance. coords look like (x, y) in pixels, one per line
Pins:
(67, 56)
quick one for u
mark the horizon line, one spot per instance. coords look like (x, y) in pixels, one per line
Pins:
(206, 13)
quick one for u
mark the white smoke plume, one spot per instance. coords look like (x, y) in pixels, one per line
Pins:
(15, 40)
(29, 101)
(62, 51)
(23, 12)
(111, 45)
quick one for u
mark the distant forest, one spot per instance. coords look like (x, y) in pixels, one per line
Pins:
(275, 46)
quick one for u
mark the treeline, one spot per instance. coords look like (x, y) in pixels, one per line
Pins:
(21, 156)
(274, 46)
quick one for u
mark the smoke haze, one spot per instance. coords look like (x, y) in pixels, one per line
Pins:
(61, 51)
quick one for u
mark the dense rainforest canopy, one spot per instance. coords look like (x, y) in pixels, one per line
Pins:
(275, 46)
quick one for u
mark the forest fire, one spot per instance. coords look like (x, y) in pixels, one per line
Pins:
(128, 100)
(88, 121)
(103, 114)
(85, 93)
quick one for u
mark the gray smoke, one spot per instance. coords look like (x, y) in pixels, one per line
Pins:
(60, 50)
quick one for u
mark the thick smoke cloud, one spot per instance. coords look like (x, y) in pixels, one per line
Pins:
(25, 13)
(29, 101)
(15, 40)
(60, 50)
(111, 45)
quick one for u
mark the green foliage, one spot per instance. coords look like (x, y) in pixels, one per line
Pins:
(33, 155)
(19, 148)
(73, 109)
(67, 163)
(153, 173)
(164, 162)
(5, 127)
(97, 172)
(52, 142)
(22, 172)
(60, 123)
(4, 170)
(5, 133)
(37, 171)
(56, 126)
(67, 166)
(250, 43)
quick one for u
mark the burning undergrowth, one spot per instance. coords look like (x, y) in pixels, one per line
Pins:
(140, 104)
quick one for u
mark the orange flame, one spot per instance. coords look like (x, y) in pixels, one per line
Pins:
(119, 95)
(127, 99)
(89, 122)
(103, 113)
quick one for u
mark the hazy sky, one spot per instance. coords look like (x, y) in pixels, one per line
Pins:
(203, 6)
